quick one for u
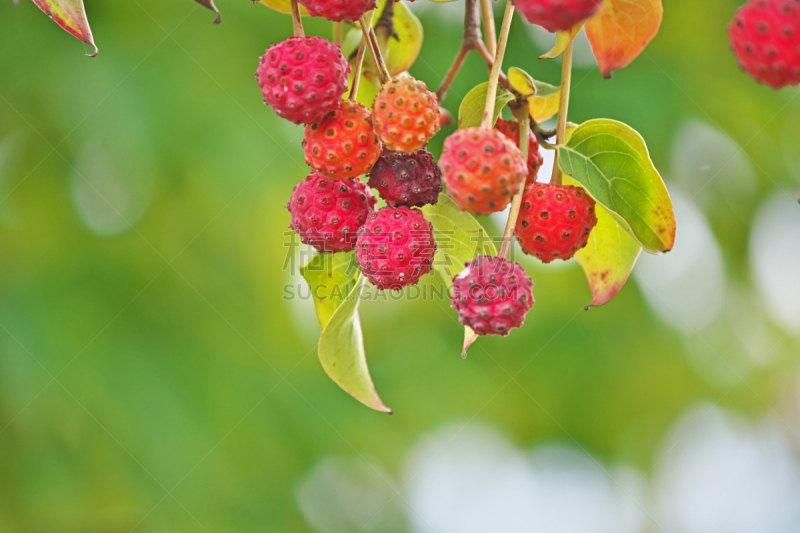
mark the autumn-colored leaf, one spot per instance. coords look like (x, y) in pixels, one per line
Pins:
(70, 15)
(282, 6)
(545, 99)
(210, 5)
(621, 30)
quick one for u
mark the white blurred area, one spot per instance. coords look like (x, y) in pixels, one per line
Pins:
(685, 287)
(714, 472)
(722, 474)
(775, 258)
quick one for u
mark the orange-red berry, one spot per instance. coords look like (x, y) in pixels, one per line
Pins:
(406, 115)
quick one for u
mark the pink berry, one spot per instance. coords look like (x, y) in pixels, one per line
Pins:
(327, 213)
(303, 78)
(555, 15)
(339, 9)
(765, 36)
(492, 295)
(395, 247)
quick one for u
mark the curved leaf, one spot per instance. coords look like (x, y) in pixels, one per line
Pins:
(621, 29)
(341, 352)
(610, 160)
(544, 104)
(563, 38)
(331, 277)
(470, 113)
(70, 15)
(209, 4)
(459, 237)
(609, 257)
(283, 6)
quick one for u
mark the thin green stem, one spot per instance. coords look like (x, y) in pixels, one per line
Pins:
(375, 50)
(563, 109)
(488, 26)
(497, 67)
(338, 33)
(523, 119)
(297, 23)
(362, 49)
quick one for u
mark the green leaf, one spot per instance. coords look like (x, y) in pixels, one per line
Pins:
(283, 6)
(331, 277)
(470, 114)
(459, 237)
(544, 104)
(608, 258)
(209, 4)
(70, 15)
(341, 352)
(610, 160)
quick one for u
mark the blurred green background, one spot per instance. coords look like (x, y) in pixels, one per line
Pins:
(153, 378)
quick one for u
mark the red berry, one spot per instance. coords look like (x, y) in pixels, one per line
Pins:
(342, 145)
(395, 247)
(303, 78)
(413, 180)
(339, 9)
(482, 170)
(555, 15)
(492, 295)
(554, 221)
(510, 128)
(406, 115)
(765, 36)
(327, 213)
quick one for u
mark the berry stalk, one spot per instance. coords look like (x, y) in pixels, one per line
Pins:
(563, 109)
(375, 50)
(362, 49)
(522, 113)
(338, 32)
(488, 27)
(497, 67)
(297, 23)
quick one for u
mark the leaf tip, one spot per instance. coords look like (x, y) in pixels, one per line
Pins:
(96, 51)
(607, 74)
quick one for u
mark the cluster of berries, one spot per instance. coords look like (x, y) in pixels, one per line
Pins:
(304, 80)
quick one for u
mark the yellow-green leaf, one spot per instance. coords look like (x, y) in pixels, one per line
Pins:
(341, 352)
(70, 15)
(459, 237)
(284, 6)
(330, 277)
(544, 103)
(608, 258)
(610, 160)
(470, 113)
(563, 38)
(621, 30)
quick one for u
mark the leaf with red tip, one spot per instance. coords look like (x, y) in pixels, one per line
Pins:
(70, 15)
(209, 4)
(621, 30)
(608, 258)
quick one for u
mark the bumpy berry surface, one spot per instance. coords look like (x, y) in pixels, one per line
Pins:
(555, 221)
(412, 180)
(510, 129)
(327, 214)
(303, 78)
(492, 295)
(555, 15)
(482, 169)
(406, 115)
(395, 247)
(342, 145)
(338, 9)
(765, 36)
